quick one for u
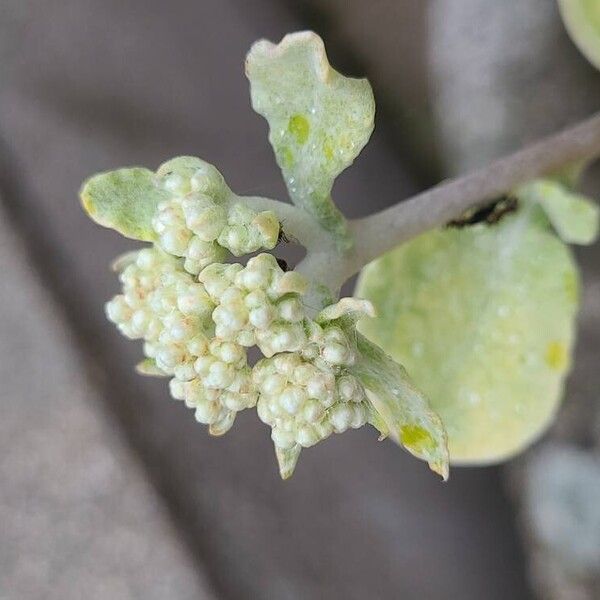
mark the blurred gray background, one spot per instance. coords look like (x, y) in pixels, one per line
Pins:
(110, 490)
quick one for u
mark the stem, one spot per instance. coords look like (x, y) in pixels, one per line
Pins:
(378, 233)
(323, 261)
(296, 222)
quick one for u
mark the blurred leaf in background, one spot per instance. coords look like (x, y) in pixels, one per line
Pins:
(582, 20)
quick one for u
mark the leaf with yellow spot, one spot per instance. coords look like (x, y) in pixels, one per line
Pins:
(483, 320)
(318, 119)
(398, 409)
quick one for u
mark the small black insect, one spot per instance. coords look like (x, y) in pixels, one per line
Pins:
(490, 213)
(282, 237)
(282, 264)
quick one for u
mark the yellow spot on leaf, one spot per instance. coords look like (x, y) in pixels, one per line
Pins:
(327, 151)
(299, 128)
(556, 356)
(571, 286)
(416, 438)
(287, 156)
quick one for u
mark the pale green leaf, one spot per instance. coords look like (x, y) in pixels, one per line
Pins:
(287, 459)
(574, 217)
(483, 320)
(399, 410)
(582, 20)
(124, 200)
(318, 119)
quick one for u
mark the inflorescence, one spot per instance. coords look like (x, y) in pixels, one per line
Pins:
(199, 315)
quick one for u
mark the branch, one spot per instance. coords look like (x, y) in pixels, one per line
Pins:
(378, 233)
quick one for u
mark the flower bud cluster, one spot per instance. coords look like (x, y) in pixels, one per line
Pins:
(199, 224)
(163, 304)
(258, 304)
(199, 315)
(306, 396)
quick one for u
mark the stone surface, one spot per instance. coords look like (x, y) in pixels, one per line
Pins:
(78, 517)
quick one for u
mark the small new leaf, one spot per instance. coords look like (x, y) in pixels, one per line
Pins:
(124, 200)
(574, 217)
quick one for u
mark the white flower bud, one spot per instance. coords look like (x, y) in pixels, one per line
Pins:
(261, 317)
(140, 321)
(290, 282)
(307, 436)
(204, 218)
(273, 385)
(281, 338)
(184, 371)
(267, 226)
(292, 398)
(228, 352)
(168, 357)
(240, 214)
(207, 411)
(147, 259)
(177, 184)
(175, 241)
(349, 389)
(313, 411)
(299, 400)
(177, 389)
(198, 345)
(282, 439)
(117, 310)
(235, 239)
(291, 309)
(340, 417)
(195, 301)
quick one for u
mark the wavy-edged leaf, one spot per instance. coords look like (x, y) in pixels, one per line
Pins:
(399, 410)
(483, 320)
(318, 119)
(124, 200)
(582, 20)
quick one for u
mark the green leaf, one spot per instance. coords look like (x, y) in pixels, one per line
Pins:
(148, 368)
(287, 459)
(483, 320)
(124, 200)
(318, 119)
(573, 216)
(398, 409)
(582, 20)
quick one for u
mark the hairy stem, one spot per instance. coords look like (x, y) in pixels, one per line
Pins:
(378, 233)
(295, 222)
